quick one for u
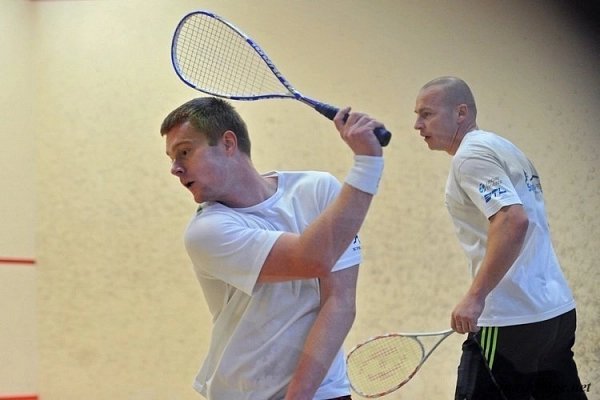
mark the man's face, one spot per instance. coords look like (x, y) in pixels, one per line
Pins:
(436, 120)
(198, 166)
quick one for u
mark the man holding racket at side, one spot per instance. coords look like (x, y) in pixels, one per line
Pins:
(276, 255)
(519, 311)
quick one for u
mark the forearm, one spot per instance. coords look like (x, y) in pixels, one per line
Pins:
(335, 318)
(331, 233)
(313, 252)
(506, 235)
(322, 344)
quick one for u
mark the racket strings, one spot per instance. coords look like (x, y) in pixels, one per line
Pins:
(215, 58)
(383, 364)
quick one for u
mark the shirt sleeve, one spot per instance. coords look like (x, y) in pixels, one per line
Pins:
(224, 248)
(351, 257)
(486, 182)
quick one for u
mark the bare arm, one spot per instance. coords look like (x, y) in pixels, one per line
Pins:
(506, 235)
(314, 252)
(335, 318)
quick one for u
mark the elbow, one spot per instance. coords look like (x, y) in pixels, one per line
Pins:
(321, 268)
(316, 265)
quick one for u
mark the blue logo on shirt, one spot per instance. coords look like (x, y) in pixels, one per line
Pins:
(356, 243)
(491, 188)
(533, 182)
(494, 193)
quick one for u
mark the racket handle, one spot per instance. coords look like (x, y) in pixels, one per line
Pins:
(383, 135)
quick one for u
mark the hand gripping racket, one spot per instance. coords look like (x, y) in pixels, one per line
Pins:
(213, 56)
(383, 364)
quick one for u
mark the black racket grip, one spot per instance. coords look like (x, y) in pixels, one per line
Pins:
(383, 135)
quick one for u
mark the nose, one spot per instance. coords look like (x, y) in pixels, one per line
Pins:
(418, 124)
(176, 168)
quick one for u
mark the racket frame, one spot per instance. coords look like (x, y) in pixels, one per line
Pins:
(329, 111)
(292, 92)
(414, 336)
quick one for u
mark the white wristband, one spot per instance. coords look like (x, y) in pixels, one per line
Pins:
(365, 173)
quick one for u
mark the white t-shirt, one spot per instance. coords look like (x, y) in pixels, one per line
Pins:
(487, 173)
(259, 329)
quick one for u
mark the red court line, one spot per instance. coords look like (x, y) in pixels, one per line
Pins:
(9, 260)
(19, 397)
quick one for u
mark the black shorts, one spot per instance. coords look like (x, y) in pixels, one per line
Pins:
(521, 362)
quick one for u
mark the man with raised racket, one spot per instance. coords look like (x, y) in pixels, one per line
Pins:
(276, 255)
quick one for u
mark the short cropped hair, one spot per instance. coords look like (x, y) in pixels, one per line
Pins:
(211, 117)
(456, 92)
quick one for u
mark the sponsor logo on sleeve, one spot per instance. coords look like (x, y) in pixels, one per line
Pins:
(492, 188)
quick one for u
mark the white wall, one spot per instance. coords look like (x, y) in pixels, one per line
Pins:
(120, 315)
(18, 274)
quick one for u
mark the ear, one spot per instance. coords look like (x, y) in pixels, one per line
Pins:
(462, 112)
(229, 140)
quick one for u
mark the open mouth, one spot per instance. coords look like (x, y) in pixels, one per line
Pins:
(188, 184)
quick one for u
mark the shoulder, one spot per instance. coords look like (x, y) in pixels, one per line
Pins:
(480, 139)
(477, 140)
(478, 144)
(213, 225)
(300, 179)
(210, 216)
(310, 188)
(478, 151)
(306, 175)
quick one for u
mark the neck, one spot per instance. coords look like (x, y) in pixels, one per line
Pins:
(458, 137)
(250, 188)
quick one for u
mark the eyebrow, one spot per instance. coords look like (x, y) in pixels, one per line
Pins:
(420, 110)
(174, 147)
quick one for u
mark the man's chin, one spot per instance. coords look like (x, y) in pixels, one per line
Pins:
(198, 198)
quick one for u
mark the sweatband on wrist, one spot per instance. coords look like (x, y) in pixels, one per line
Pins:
(365, 173)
